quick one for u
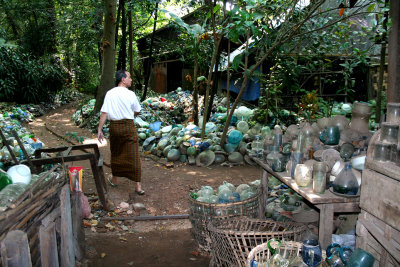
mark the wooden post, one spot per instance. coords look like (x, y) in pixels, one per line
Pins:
(15, 250)
(264, 194)
(67, 252)
(48, 240)
(48, 245)
(77, 227)
(325, 220)
(393, 89)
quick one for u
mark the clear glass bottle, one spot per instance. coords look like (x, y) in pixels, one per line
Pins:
(319, 177)
(296, 158)
(308, 136)
(277, 135)
(393, 113)
(346, 182)
(389, 132)
(257, 148)
(276, 160)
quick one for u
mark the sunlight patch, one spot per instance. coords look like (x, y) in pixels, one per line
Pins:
(95, 141)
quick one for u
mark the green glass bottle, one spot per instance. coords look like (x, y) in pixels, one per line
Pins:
(4, 180)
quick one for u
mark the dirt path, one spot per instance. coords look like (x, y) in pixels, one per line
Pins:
(142, 243)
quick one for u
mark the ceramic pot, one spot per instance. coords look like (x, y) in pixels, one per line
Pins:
(360, 122)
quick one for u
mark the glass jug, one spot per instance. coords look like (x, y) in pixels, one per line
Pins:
(346, 183)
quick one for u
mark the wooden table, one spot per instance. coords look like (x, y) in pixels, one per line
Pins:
(327, 203)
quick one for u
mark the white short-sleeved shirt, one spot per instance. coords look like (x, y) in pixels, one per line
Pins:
(120, 103)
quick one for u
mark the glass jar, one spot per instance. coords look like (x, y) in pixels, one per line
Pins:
(393, 113)
(297, 158)
(346, 182)
(276, 160)
(389, 132)
(382, 151)
(257, 148)
(346, 151)
(302, 175)
(319, 177)
(330, 135)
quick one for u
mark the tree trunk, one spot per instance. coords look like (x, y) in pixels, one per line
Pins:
(121, 65)
(150, 61)
(99, 22)
(214, 87)
(52, 19)
(10, 18)
(108, 69)
(195, 93)
(118, 20)
(228, 76)
(130, 48)
(378, 110)
(217, 42)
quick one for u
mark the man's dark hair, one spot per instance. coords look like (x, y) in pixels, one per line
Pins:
(119, 75)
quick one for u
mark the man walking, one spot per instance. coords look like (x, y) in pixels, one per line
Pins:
(120, 107)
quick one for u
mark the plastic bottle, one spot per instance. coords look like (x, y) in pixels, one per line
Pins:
(4, 180)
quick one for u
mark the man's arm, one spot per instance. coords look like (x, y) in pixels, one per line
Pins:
(103, 118)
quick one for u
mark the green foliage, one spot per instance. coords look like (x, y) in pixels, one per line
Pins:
(24, 79)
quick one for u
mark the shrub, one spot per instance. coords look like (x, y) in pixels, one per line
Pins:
(24, 79)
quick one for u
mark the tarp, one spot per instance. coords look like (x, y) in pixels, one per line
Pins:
(252, 91)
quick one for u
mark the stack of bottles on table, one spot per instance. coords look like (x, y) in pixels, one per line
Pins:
(282, 201)
(226, 193)
(329, 152)
(15, 181)
(387, 148)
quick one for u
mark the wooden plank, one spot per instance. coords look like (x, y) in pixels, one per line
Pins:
(8, 147)
(66, 152)
(48, 245)
(325, 225)
(77, 225)
(99, 185)
(305, 192)
(376, 233)
(380, 196)
(100, 161)
(51, 217)
(346, 207)
(67, 251)
(394, 235)
(15, 250)
(264, 195)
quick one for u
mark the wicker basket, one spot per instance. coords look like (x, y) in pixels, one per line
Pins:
(232, 240)
(291, 249)
(202, 213)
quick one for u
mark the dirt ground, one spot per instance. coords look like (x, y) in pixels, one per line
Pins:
(141, 243)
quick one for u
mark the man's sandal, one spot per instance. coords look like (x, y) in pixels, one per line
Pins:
(110, 182)
(140, 193)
